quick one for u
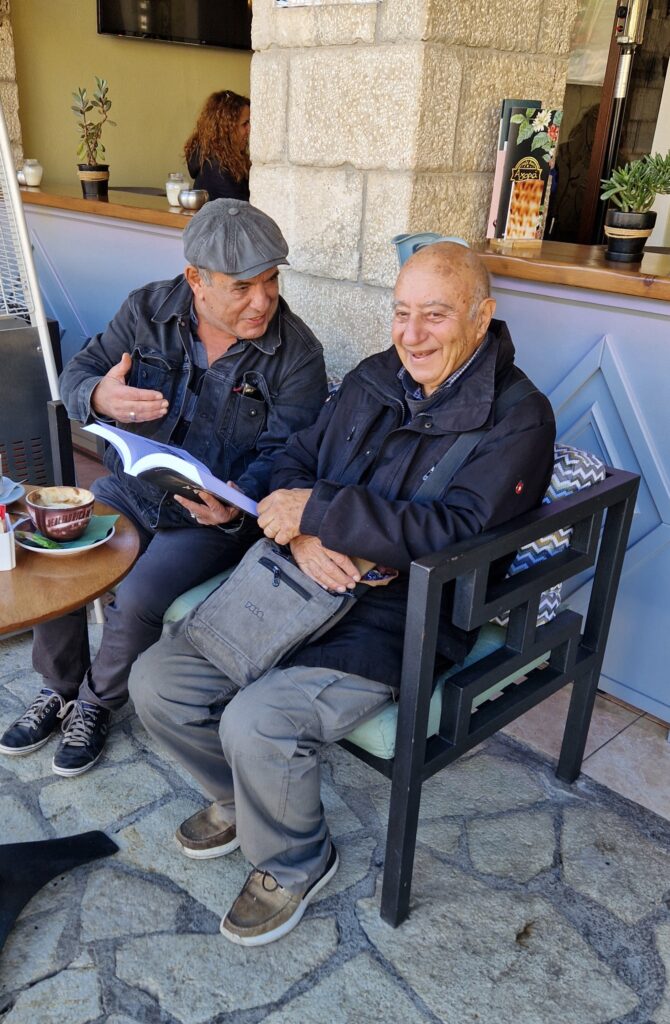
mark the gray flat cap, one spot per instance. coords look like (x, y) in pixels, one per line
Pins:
(234, 238)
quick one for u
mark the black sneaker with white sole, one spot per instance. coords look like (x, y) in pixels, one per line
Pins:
(85, 729)
(34, 727)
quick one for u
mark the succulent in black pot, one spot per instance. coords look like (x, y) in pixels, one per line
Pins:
(632, 190)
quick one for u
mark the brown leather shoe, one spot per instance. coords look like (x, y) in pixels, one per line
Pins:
(206, 834)
(265, 911)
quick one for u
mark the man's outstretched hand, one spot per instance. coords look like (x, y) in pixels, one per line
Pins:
(280, 513)
(331, 569)
(114, 398)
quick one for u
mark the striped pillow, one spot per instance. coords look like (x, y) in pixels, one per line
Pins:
(573, 470)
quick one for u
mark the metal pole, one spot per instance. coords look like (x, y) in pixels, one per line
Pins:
(618, 106)
(10, 198)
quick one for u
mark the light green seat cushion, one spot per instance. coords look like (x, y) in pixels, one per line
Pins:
(377, 736)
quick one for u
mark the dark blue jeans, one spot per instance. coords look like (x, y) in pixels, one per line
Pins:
(170, 562)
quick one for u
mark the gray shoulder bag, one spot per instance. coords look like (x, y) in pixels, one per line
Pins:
(268, 606)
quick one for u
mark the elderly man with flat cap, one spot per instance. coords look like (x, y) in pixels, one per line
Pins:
(345, 488)
(215, 362)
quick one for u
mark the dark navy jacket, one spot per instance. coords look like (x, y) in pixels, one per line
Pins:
(236, 436)
(365, 459)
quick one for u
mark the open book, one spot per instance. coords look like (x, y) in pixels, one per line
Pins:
(172, 469)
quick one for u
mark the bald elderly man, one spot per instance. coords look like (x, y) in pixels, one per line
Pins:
(343, 488)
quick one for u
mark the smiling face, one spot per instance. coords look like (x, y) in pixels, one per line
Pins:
(239, 309)
(440, 312)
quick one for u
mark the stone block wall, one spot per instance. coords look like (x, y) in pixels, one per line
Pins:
(369, 120)
(9, 94)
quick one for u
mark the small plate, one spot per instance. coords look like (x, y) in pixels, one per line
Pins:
(10, 491)
(58, 552)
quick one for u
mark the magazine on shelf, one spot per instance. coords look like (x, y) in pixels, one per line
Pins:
(508, 107)
(172, 469)
(525, 178)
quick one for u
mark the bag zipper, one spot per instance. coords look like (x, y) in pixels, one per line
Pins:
(278, 576)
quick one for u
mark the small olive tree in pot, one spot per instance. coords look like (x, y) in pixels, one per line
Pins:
(92, 114)
(632, 190)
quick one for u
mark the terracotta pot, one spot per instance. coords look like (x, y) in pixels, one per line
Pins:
(94, 180)
(627, 234)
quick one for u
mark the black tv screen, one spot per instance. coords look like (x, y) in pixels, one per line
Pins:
(199, 22)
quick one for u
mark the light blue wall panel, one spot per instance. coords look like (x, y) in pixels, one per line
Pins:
(88, 264)
(604, 361)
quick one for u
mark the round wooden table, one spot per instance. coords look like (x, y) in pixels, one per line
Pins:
(43, 586)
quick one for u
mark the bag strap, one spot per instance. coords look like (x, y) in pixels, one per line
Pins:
(443, 471)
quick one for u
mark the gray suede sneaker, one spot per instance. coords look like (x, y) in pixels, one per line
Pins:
(265, 911)
(206, 834)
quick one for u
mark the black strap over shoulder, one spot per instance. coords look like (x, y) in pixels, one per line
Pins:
(443, 471)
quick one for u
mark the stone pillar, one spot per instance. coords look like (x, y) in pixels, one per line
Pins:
(373, 119)
(9, 94)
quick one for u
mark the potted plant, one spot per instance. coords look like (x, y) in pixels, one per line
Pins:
(632, 189)
(93, 172)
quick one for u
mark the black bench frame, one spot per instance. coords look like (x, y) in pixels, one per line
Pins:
(601, 516)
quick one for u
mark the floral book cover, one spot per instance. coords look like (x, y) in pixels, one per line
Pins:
(527, 173)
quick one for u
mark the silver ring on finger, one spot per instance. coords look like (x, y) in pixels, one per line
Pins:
(132, 415)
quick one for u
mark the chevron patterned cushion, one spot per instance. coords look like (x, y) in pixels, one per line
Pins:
(573, 470)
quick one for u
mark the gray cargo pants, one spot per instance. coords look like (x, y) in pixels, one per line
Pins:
(255, 751)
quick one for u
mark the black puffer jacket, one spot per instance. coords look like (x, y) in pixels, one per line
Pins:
(365, 462)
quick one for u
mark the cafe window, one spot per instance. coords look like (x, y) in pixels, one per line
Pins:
(597, 127)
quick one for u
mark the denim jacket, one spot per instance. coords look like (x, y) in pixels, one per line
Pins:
(235, 435)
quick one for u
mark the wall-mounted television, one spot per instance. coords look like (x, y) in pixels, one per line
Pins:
(198, 22)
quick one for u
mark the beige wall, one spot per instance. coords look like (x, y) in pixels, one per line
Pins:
(371, 120)
(156, 90)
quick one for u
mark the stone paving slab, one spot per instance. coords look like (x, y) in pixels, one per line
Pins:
(532, 901)
(496, 946)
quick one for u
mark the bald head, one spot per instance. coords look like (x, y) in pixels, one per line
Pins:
(449, 259)
(442, 311)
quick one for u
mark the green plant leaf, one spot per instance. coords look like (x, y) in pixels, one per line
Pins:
(558, 117)
(517, 118)
(530, 112)
(525, 132)
(541, 140)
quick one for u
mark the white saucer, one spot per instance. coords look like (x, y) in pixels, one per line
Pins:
(58, 552)
(10, 491)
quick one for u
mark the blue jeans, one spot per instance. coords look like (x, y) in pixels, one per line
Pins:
(170, 562)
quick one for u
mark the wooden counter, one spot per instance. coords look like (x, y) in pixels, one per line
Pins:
(584, 266)
(122, 205)
(579, 266)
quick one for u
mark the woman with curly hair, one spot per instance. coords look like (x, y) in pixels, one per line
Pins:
(217, 151)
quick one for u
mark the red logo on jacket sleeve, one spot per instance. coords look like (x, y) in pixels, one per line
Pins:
(519, 487)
